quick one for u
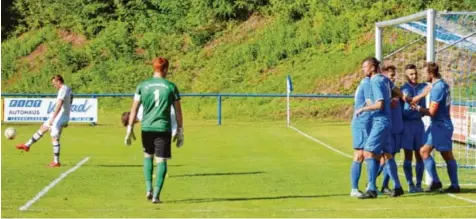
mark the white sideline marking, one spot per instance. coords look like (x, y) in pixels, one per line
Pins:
(349, 156)
(252, 210)
(461, 198)
(52, 184)
(322, 143)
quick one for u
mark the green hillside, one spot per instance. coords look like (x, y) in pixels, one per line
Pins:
(220, 46)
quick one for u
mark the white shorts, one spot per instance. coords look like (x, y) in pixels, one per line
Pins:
(58, 124)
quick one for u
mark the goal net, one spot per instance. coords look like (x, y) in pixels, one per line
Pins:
(449, 38)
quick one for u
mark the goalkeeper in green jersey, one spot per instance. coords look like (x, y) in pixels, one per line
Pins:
(156, 95)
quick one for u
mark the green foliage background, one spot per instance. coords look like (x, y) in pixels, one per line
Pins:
(215, 46)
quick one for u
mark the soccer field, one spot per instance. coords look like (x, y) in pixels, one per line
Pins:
(237, 170)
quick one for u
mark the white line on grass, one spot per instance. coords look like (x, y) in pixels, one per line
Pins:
(464, 199)
(52, 184)
(350, 156)
(252, 210)
(322, 143)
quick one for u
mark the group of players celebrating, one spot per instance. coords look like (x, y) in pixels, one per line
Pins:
(388, 118)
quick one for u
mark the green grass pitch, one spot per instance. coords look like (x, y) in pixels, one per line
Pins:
(240, 169)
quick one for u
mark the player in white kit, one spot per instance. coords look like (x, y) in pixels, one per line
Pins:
(57, 121)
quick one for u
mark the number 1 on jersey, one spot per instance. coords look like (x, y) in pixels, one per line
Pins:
(156, 97)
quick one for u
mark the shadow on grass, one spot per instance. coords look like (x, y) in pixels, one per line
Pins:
(202, 200)
(129, 165)
(218, 174)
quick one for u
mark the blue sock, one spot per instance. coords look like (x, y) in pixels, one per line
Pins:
(380, 168)
(431, 168)
(386, 178)
(407, 169)
(452, 168)
(419, 169)
(377, 168)
(371, 172)
(393, 172)
(355, 170)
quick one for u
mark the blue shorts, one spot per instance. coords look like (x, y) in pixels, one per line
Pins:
(439, 136)
(378, 141)
(413, 132)
(360, 133)
(395, 143)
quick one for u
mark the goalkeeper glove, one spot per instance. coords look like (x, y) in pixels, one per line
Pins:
(129, 135)
(179, 137)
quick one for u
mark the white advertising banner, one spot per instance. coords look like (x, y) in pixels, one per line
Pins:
(40, 109)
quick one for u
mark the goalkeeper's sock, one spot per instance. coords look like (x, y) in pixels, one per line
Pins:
(34, 138)
(148, 171)
(160, 178)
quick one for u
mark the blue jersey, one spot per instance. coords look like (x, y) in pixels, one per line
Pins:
(412, 91)
(361, 95)
(440, 93)
(381, 88)
(397, 121)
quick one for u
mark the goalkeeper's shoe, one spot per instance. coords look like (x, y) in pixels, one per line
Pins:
(53, 164)
(149, 195)
(23, 147)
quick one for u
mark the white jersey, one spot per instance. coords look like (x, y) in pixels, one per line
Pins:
(173, 119)
(64, 93)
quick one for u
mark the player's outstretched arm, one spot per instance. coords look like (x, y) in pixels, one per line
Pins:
(419, 97)
(428, 112)
(376, 106)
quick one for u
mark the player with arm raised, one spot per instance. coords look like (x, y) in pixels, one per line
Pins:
(412, 138)
(360, 130)
(57, 121)
(439, 133)
(377, 142)
(156, 95)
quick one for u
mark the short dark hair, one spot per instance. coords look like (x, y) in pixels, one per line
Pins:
(410, 66)
(389, 68)
(125, 118)
(58, 78)
(373, 61)
(432, 68)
